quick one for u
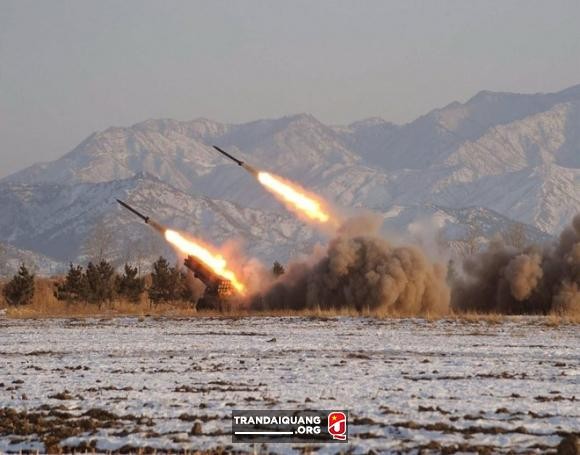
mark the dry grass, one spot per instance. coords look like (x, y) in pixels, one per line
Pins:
(113, 309)
(555, 320)
(45, 305)
(56, 309)
(2, 301)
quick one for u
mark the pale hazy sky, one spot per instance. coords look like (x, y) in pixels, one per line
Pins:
(68, 68)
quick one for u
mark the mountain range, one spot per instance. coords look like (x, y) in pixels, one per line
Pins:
(481, 165)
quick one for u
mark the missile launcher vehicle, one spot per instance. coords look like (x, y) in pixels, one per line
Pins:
(218, 291)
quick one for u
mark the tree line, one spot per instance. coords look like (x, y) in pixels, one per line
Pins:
(99, 283)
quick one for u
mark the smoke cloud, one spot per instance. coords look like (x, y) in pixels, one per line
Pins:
(533, 280)
(362, 271)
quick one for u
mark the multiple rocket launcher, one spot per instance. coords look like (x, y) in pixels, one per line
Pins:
(218, 289)
(211, 268)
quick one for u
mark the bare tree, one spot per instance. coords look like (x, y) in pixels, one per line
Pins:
(471, 241)
(137, 251)
(3, 260)
(146, 247)
(441, 242)
(515, 235)
(100, 243)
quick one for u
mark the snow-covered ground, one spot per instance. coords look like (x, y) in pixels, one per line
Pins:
(408, 384)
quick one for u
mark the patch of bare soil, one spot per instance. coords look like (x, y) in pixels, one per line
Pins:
(435, 447)
(555, 398)
(190, 389)
(474, 429)
(500, 375)
(53, 425)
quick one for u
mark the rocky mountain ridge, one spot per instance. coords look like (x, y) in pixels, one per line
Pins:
(510, 156)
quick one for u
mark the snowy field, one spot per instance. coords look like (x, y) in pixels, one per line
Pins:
(124, 383)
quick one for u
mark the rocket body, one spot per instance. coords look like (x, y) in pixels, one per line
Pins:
(227, 155)
(246, 166)
(154, 224)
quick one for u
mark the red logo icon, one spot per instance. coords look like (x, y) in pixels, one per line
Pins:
(337, 425)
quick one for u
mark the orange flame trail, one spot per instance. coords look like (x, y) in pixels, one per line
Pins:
(215, 261)
(294, 196)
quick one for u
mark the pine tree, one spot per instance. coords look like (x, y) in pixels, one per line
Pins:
(129, 285)
(20, 289)
(160, 281)
(74, 287)
(278, 269)
(166, 282)
(100, 282)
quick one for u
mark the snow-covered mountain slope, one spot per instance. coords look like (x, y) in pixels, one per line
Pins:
(73, 222)
(65, 221)
(11, 258)
(430, 139)
(431, 223)
(514, 155)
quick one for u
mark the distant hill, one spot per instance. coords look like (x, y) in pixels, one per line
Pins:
(509, 156)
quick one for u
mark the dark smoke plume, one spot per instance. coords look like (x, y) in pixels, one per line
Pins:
(362, 271)
(534, 280)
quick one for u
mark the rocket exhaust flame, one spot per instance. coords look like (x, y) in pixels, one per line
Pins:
(213, 260)
(296, 198)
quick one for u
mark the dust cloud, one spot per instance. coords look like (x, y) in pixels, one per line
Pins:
(533, 280)
(360, 270)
